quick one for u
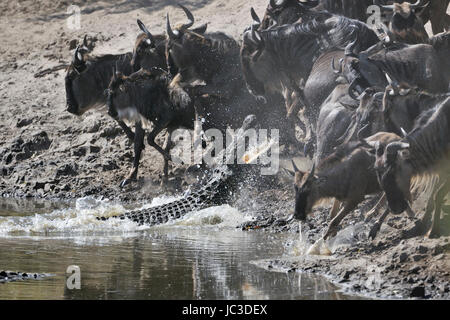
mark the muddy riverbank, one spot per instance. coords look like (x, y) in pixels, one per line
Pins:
(47, 153)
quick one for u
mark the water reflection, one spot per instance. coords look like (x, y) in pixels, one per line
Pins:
(174, 262)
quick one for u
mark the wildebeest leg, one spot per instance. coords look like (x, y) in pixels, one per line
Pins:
(335, 208)
(440, 196)
(151, 141)
(127, 130)
(374, 211)
(376, 227)
(332, 228)
(138, 147)
(168, 146)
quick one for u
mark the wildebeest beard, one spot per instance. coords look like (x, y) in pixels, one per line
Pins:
(85, 84)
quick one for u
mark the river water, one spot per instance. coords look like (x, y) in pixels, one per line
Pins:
(203, 256)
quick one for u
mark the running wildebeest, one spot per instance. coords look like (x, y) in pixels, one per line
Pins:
(146, 95)
(425, 150)
(282, 58)
(347, 175)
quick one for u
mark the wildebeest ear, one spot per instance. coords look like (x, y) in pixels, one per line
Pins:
(201, 29)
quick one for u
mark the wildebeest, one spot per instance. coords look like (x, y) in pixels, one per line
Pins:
(213, 60)
(149, 50)
(347, 175)
(426, 66)
(282, 58)
(289, 11)
(436, 13)
(405, 25)
(148, 96)
(425, 150)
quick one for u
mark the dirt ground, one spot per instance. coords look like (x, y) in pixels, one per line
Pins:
(45, 152)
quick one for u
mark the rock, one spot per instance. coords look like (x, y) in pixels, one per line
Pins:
(79, 152)
(23, 123)
(403, 257)
(67, 170)
(418, 292)
(418, 257)
(414, 269)
(111, 132)
(422, 249)
(110, 165)
(94, 149)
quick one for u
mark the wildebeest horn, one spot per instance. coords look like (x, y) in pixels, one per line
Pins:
(396, 146)
(277, 4)
(418, 4)
(352, 88)
(404, 133)
(311, 174)
(309, 4)
(296, 169)
(255, 35)
(337, 71)
(169, 29)
(145, 30)
(85, 41)
(189, 15)
(254, 15)
(349, 49)
(77, 57)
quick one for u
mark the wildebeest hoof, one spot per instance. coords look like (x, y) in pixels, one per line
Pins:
(126, 182)
(433, 233)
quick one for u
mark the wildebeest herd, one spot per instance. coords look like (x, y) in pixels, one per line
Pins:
(373, 101)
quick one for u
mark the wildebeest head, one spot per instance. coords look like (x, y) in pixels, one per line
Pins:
(197, 56)
(280, 12)
(394, 174)
(254, 65)
(405, 25)
(149, 50)
(72, 79)
(306, 192)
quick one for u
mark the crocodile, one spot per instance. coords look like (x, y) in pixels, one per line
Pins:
(10, 276)
(216, 191)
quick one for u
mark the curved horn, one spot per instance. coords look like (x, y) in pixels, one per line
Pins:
(309, 4)
(349, 49)
(417, 4)
(169, 29)
(255, 35)
(275, 5)
(85, 41)
(296, 169)
(352, 88)
(388, 7)
(189, 15)
(336, 71)
(311, 174)
(254, 15)
(145, 30)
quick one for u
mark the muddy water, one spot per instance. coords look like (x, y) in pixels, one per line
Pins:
(202, 256)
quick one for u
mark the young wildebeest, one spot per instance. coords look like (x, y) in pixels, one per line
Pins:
(425, 150)
(148, 96)
(347, 175)
(405, 25)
